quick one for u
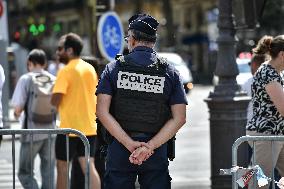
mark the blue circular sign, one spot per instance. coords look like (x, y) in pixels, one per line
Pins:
(110, 35)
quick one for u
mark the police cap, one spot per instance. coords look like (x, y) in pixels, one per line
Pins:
(143, 23)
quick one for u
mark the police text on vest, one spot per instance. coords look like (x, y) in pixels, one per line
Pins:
(140, 82)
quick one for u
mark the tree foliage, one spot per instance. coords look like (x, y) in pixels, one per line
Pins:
(272, 18)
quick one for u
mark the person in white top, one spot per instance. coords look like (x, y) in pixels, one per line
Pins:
(41, 145)
(54, 66)
(2, 80)
(256, 61)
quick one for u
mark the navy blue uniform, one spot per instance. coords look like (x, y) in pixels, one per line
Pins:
(153, 173)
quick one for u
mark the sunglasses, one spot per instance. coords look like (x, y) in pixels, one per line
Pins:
(126, 38)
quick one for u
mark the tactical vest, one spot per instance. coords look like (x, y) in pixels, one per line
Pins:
(139, 104)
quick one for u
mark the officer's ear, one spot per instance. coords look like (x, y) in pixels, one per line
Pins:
(133, 42)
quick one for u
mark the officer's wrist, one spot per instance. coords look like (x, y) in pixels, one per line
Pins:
(125, 141)
(152, 145)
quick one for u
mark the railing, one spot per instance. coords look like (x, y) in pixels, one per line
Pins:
(51, 132)
(252, 139)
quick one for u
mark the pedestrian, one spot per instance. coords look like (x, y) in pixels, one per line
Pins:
(54, 66)
(24, 101)
(255, 62)
(268, 109)
(74, 96)
(142, 104)
(2, 80)
(77, 175)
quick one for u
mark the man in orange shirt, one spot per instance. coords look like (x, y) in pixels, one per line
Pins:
(74, 96)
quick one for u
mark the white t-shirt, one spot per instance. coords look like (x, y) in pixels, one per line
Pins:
(247, 88)
(53, 68)
(2, 80)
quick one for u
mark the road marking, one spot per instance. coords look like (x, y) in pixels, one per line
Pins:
(6, 175)
(202, 181)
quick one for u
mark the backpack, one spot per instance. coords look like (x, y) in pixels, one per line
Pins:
(39, 108)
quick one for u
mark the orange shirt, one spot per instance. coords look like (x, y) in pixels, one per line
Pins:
(77, 82)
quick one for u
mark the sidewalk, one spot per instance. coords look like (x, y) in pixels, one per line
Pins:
(191, 167)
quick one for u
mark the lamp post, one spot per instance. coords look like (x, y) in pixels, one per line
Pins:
(227, 103)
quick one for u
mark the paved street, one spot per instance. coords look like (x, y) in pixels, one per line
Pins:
(6, 166)
(189, 170)
(6, 175)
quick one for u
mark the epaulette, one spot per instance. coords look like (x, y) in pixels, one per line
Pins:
(120, 58)
(158, 61)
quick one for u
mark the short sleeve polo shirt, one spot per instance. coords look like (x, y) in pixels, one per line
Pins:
(173, 84)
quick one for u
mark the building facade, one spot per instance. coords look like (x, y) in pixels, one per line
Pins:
(187, 27)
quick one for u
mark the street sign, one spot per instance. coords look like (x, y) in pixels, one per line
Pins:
(3, 21)
(110, 35)
(1, 8)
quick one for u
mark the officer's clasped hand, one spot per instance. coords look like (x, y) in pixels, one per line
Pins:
(140, 154)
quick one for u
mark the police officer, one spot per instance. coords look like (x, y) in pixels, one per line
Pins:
(142, 104)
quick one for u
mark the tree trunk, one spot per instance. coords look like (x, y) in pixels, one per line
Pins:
(168, 12)
(138, 6)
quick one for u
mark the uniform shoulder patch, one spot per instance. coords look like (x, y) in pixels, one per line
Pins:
(120, 58)
(158, 61)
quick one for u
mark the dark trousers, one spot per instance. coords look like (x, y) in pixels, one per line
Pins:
(121, 174)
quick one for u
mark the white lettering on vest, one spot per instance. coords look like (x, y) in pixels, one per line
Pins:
(140, 82)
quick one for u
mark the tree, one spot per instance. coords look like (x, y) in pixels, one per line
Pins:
(270, 22)
(168, 12)
(138, 6)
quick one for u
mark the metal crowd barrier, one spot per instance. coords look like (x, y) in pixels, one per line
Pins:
(252, 139)
(51, 132)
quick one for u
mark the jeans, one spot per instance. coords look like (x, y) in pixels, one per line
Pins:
(27, 157)
(121, 174)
